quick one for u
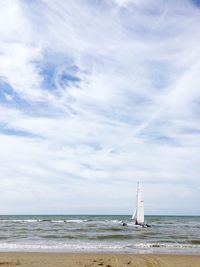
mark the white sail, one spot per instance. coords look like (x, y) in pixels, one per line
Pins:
(138, 216)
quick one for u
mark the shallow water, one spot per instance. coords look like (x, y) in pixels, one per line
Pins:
(168, 234)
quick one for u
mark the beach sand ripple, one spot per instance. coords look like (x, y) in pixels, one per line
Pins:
(31, 259)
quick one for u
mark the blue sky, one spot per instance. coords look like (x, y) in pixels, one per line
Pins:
(94, 96)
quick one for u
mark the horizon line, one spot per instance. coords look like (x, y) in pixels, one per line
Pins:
(40, 214)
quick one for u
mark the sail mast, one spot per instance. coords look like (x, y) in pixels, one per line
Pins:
(134, 217)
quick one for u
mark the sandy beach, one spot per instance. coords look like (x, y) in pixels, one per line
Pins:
(92, 259)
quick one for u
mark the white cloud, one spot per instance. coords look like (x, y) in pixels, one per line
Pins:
(101, 95)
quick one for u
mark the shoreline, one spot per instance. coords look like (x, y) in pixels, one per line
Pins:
(85, 259)
(100, 252)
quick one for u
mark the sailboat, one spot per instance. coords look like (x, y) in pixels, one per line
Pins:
(138, 216)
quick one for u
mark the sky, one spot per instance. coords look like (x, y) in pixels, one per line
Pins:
(94, 96)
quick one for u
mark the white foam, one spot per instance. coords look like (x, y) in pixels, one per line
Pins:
(59, 247)
(11, 221)
(164, 245)
(85, 246)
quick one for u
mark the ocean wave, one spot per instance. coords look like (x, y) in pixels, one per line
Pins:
(64, 221)
(114, 237)
(165, 245)
(18, 221)
(60, 247)
(42, 220)
(86, 246)
(62, 236)
(104, 222)
(87, 237)
(75, 221)
(93, 228)
(115, 229)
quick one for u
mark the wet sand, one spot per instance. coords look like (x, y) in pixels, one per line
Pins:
(31, 259)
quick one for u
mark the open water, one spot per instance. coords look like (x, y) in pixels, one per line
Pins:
(168, 234)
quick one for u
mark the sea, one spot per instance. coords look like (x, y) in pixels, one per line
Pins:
(99, 233)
